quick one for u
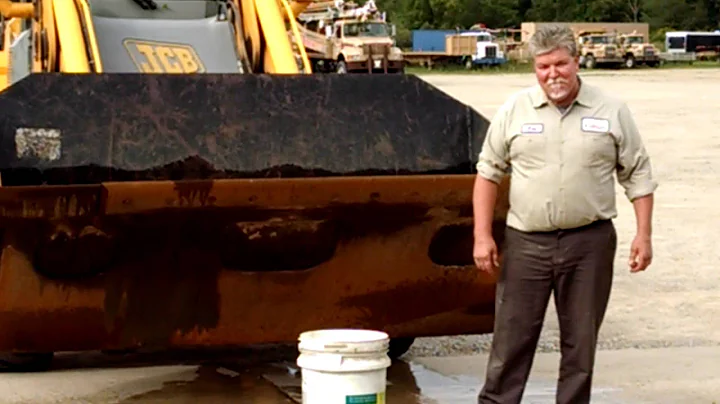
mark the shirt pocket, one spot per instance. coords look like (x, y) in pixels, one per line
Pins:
(529, 150)
(599, 149)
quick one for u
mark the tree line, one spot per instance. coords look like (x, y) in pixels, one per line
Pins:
(661, 15)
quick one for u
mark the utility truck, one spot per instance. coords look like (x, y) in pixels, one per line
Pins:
(343, 37)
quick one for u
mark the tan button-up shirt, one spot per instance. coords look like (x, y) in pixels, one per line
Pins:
(562, 164)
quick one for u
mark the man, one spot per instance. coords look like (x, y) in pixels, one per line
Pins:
(561, 140)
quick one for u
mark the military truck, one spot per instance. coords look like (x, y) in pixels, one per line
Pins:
(343, 37)
(638, 51)
(599, 48)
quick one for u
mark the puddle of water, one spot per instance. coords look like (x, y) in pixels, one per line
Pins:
(444, 389)
(413, 383)
(286, 377)
(408, 383)
(230, 380)
(216, 385)
(465, 389)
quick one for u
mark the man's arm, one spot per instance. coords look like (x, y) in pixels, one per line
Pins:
(635, 175)
(641, 247)
(643, 214)
(484, 197)
(634, 171)
(492, 166)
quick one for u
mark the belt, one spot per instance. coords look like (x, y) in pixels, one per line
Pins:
(597, 223)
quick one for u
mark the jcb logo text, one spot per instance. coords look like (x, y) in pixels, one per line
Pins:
(156, 57)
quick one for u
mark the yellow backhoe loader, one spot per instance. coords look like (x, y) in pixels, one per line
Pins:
(173, 176)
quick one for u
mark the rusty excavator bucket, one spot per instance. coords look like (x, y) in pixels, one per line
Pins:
(214, 210)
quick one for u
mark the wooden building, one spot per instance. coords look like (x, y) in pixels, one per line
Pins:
(529, 28)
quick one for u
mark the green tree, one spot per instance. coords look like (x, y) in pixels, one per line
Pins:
(449, 14)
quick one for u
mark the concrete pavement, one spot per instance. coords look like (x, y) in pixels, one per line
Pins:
(663, 375)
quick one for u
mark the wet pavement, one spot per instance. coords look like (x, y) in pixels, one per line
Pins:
(414, 383)
(272, 377)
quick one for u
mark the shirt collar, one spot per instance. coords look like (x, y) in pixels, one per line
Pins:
(583, 98)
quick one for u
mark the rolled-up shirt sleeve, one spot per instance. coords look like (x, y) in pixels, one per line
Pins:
(634, 171)
(493, 161)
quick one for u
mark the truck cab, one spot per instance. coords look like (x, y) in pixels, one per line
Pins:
(598, 47)
(364, 45)
(487, 52)
(637, 50)
(343, 37)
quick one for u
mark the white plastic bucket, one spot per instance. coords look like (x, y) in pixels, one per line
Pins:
(343, 366)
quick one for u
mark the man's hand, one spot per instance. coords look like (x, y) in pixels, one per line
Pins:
(485, 254)
(640, 253)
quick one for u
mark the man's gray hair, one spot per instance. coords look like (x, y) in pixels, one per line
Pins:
(550, 37)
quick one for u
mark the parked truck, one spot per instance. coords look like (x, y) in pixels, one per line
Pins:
(637, 50)
(603, 48)
(343, 37)
(599, 48)
(470, 48)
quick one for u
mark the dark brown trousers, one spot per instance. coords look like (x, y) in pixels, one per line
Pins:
(577, 267)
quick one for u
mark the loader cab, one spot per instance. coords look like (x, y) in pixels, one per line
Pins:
(127, 36)
(176, 36)
(157, 9)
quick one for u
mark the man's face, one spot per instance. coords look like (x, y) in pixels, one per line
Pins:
(556, 72)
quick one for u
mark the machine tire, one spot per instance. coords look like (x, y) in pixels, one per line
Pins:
(630, 62)
(399, 346)
(589, 62)
(26, 361)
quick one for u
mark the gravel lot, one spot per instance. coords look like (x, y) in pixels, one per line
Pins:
(675, 302)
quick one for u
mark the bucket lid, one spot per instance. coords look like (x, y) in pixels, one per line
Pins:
(344, 340)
